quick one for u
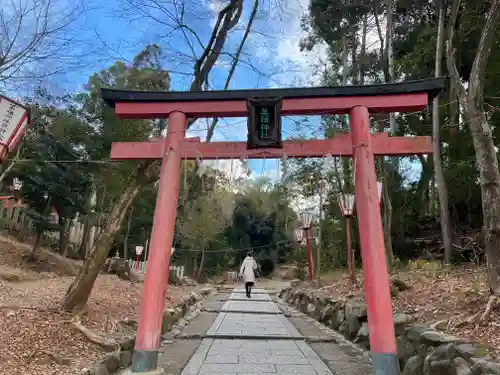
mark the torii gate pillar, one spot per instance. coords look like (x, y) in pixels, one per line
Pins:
(377, 293)
(145, 358)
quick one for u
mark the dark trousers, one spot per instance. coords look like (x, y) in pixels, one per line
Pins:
(248, 287)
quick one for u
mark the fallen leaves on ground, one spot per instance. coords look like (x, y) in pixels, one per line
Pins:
(455, 297)
(38, 338)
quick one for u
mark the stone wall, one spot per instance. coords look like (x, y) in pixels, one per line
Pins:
(111, 363)
(422, 350)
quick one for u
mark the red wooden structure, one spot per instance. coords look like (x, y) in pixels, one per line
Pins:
(357, 101)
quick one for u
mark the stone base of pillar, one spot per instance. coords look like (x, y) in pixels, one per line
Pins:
(158, 371)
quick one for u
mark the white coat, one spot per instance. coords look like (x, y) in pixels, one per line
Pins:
(247, 269)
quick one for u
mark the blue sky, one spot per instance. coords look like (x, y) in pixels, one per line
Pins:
(119, 29)
(271, 57)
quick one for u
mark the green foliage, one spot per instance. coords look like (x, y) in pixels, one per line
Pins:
(202, 221)
(415, 33)
(221, 224)
(259, 221)
(55, 136)
(145, 73)
(68, 131)
(333, 20)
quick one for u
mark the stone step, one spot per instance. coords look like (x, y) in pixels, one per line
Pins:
(241, 311)
(248, 306)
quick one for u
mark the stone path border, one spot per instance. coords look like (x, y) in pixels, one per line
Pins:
(422, 349)
(172, 320)
(331, 334)
(315, 350)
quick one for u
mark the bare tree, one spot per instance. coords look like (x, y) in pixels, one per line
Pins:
(234, 64)
(472, 102)
(35, 39)
(442, 189)
(146, 172)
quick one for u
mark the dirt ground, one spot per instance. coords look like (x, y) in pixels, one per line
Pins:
(37, 337)
(456, 298)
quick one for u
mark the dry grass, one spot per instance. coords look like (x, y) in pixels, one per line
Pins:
(32, 326)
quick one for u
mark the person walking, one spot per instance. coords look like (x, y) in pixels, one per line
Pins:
(247, 271)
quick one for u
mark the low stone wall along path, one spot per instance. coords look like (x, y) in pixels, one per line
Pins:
(232, 334)
(301, 333)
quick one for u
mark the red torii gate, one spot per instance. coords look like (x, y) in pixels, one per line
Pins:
(357, 101)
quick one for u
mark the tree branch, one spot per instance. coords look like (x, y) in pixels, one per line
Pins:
(107, 344)
(236, 59)
(451, 52)
(226, 20)
(31, 31)
(11, 165)
(478, 71)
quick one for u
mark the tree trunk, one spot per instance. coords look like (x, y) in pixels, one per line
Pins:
(146, 248)
(25, 225)
(234, 64)
(388, 68)
(36, 246)
(92, 230)
(82, 251)
(481, 132)
(195, 263)
(362, 63)
(442, 189)
(63, 235)
(432, 197)
(387, 211)
(319, 244)
(345, 162)
(199, 271)
(125, 242)
(345, 61)
(423, 184)
(79, 292)
(388, 225)
(354, 56)
(489, 176)
(389, 58)
(8, 214)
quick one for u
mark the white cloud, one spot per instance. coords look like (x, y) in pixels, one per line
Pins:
(274, 46)
(233, 169)
(298, 67)
(215, 6)
(237, 174)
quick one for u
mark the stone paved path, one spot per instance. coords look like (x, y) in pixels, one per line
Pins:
(232, 335)
(252, 336)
